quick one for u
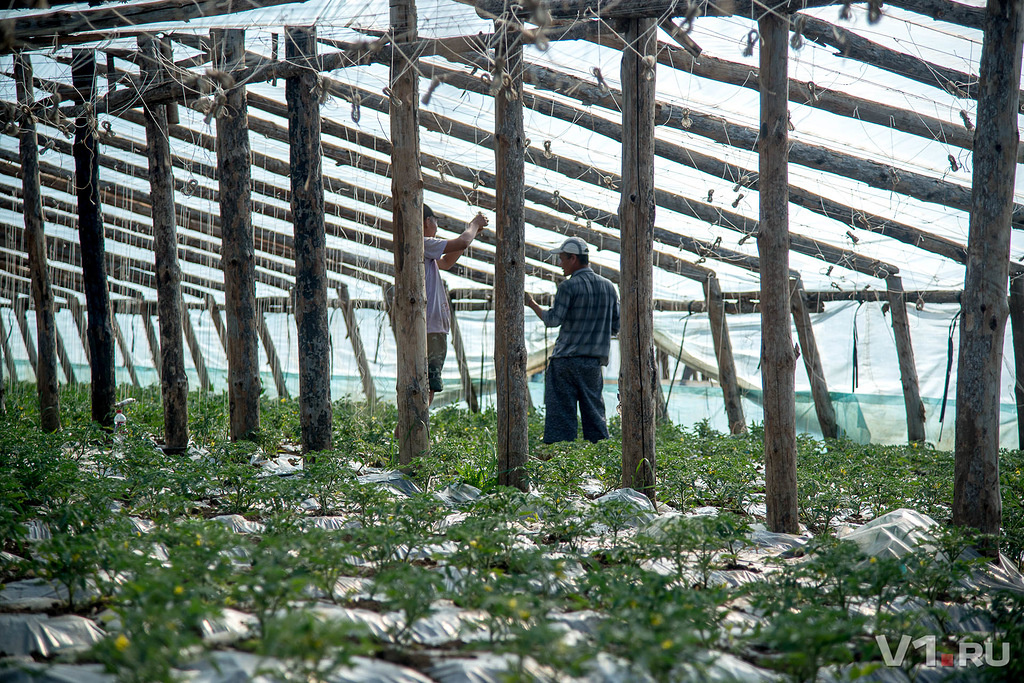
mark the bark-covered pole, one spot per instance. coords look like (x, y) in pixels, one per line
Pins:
(638, 378)
(812, 362)
(86, 152)
(510, 258)
(35, 245)
(307, 203)
(238, 254)
(976, 501)
(905, 358)
(409, 315)
(1017, 326)
(727, 375)
(173, 380)
(778, 361)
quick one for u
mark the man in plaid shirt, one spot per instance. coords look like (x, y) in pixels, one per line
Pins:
(586, 308)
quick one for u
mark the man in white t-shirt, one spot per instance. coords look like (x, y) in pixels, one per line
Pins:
(441, 254)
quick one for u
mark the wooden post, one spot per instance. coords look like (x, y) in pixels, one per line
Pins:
(151, 338)
(171, 350)
(812, 362)
(272, 357)
(65, 359)
(126, 352)
(193, 345)
(509, 262)
(409, 313)
(352, 325)
(307, 203)
(45, 362)
(239, 256)
(21, 319)
(976, 501)
(638, 378)
(79, 317)
(727, 376)
(90, 233)
(1017, 326)
(778, 361)
(12, 369)
(468, 390)
(218, 322)
(905, 356)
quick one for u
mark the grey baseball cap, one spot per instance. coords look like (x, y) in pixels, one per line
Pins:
(572, 245)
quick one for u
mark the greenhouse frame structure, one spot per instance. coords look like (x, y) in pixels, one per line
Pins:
(215, 76)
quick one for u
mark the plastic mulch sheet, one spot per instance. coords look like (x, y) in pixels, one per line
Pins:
(38, 634)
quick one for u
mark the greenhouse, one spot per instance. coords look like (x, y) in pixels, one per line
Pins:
(224, 456)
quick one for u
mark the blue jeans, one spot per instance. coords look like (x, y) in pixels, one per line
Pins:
(569, 382)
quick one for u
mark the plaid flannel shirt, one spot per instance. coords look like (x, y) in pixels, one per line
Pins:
(587, 309)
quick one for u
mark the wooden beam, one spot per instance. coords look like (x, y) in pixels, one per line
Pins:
(151, 338)
(171, 358)
(307, 209)
(272, 358)
(944, 10)
(21, 318)
(905, 356)
(65, 359)
(976, 499)
(79, 317)
(48, 28)
(638, 380)
(5, 345)
(91, 239)
(1016, 304)
(126, 352)
(352, 325)
(195, 349)
(637, 9)
(406, 188)
(45, 362)
(218, 321)
(239, 264)
(468, 390)
(511, 391)
(727, 375)
(812, 361)
(777, 358)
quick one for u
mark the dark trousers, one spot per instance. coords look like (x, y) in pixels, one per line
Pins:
(569, 382)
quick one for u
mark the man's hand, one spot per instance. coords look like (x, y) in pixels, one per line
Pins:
(528, 300)
(479, 222)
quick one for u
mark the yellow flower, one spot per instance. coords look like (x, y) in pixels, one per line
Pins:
(512, 603)
(121, 643)
(199, 540)
(488, 589)
(524, 614)
(474, 544)
(656, 620)
(666, 644)
(873, 560)
(178, 590)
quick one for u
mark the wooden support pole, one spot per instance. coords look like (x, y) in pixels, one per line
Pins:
(45, 361)
(272, 358)
(5, 344)
(65, 359)
(151, 337)
(233, 172)
(509, 264)
(638, 376)
(727, 375)
(778, 361)
(409, 311)
(905, 355)
(468, 390)
(352, 325)
(976, 501)
(171, 358)
(21, 318)
(79, 317)
(307, 204)
(90, 232)
(1017, 326)
(197, 352)
(812, 361)
(126, 351)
